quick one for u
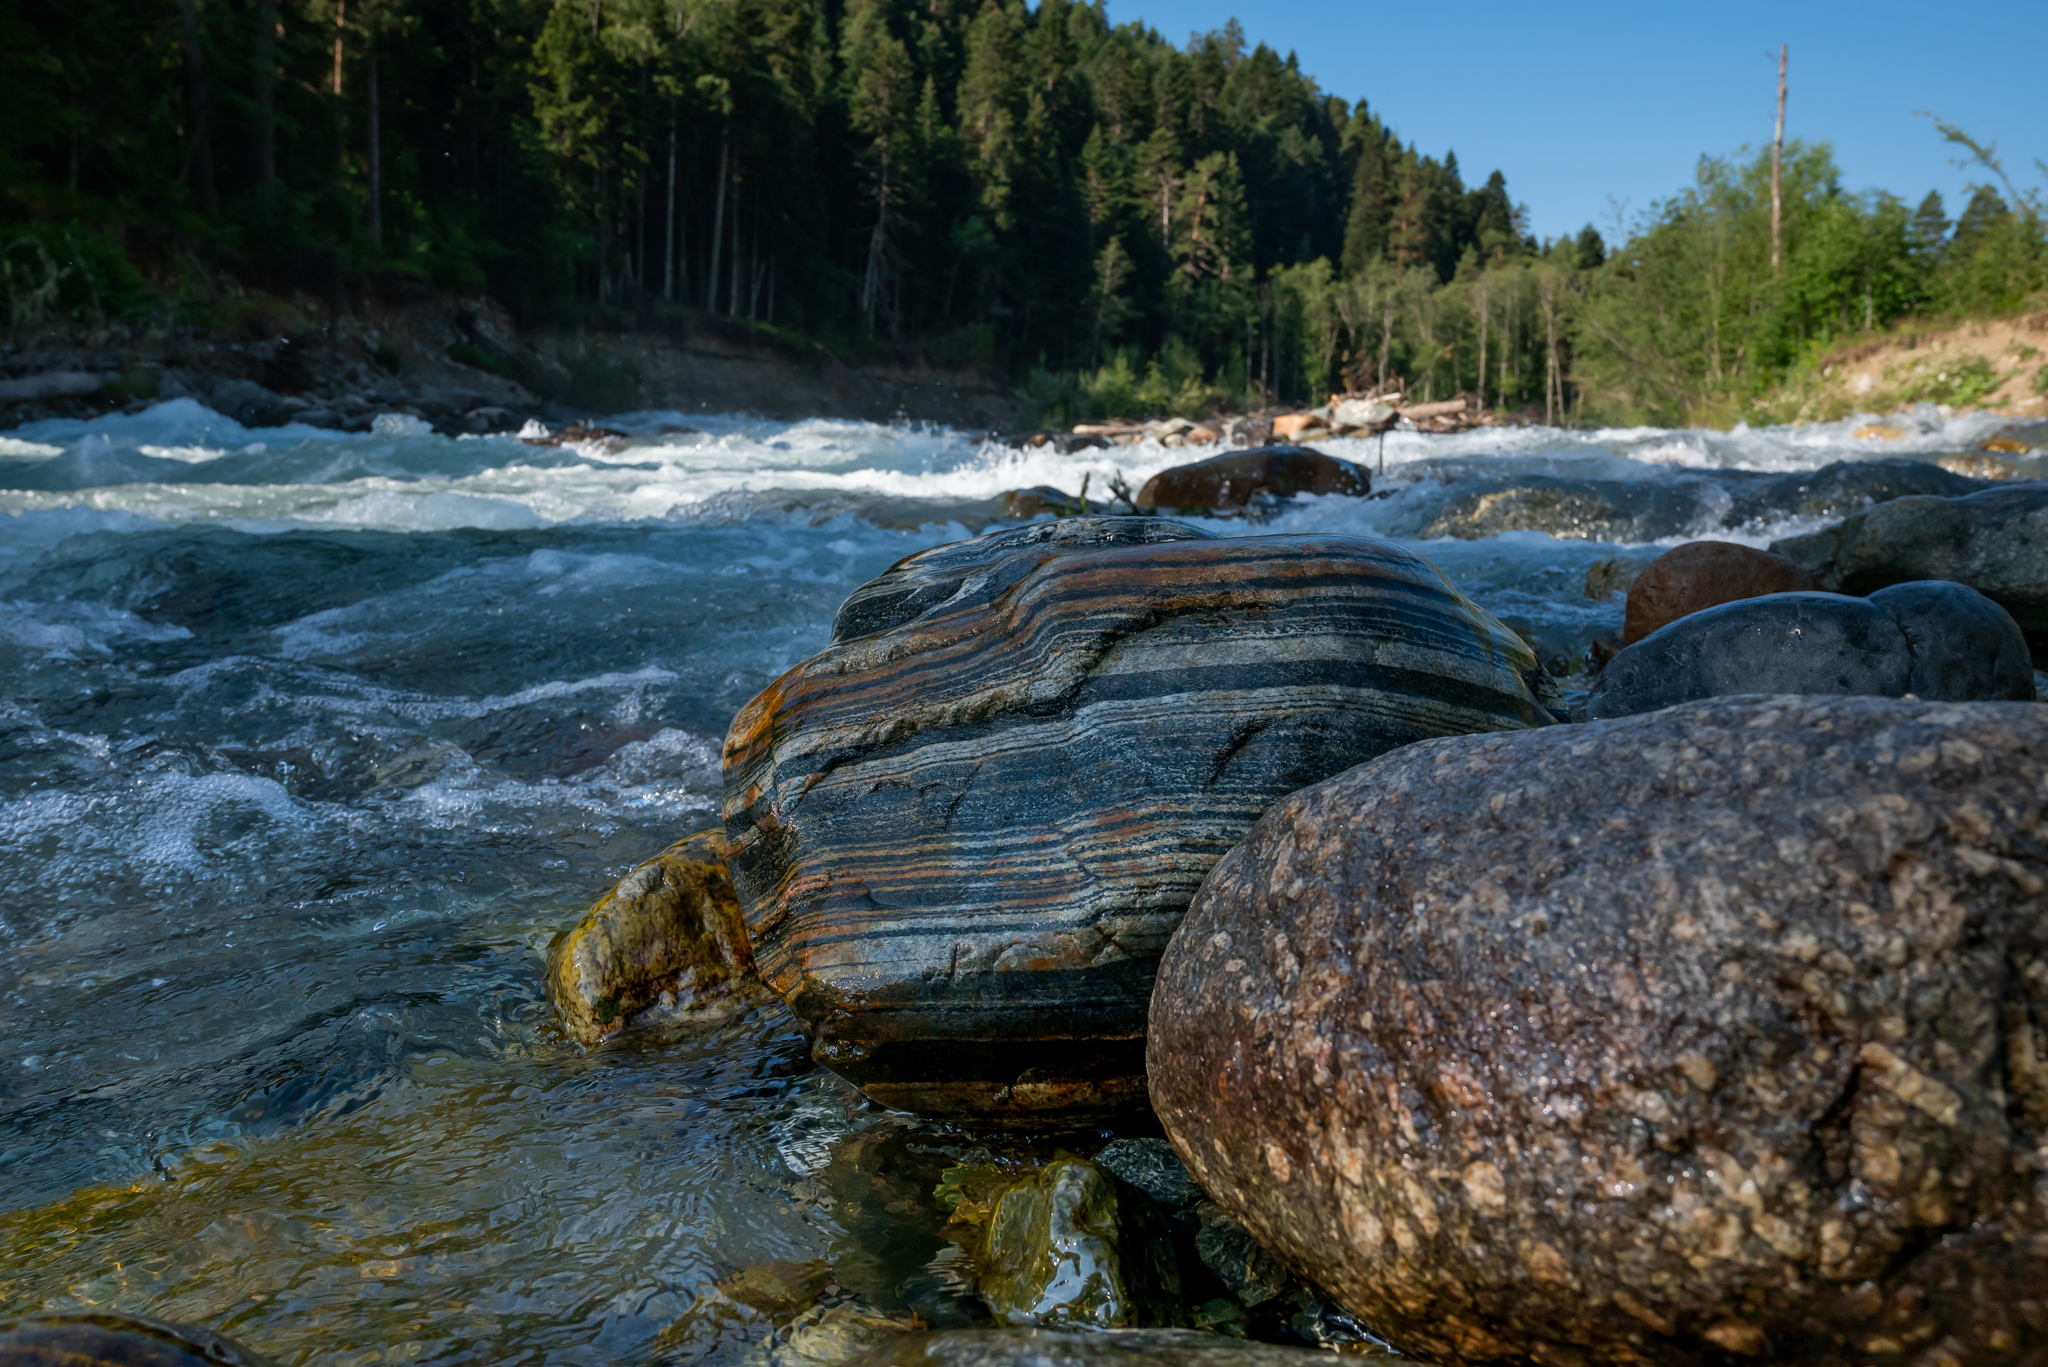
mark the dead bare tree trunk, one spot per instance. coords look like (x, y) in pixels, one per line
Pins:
(871, 282)
(1777, 156)
(1482, 348)
(732, 294)
(376, 215)
(668, 258)
(195, 96)
(263, 151)
(717, 222)
(340, 28)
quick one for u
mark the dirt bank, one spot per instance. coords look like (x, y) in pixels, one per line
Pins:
(441, 355)
(2000, 365)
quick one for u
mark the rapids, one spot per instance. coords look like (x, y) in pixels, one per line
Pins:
(310, 742)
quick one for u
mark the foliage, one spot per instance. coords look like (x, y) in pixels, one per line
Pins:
(1952, 378)
(1169, 228)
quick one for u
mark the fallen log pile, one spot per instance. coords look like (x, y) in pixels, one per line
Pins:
(1345, 415)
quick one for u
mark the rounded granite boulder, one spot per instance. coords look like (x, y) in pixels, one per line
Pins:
(962, 834)
(1936, 641)
(1716, 1033)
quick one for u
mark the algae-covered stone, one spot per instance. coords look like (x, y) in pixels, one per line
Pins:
(1064, 1246)
(778, 1287)
(100, 1339)
(665, 945)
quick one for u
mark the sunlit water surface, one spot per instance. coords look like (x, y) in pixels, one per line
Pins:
(308, 745)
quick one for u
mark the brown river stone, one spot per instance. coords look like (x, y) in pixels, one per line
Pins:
(1717, 1031)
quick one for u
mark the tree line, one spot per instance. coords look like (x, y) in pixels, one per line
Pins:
(1131, 223)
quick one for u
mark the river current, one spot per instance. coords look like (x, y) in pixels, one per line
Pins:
(310, 742)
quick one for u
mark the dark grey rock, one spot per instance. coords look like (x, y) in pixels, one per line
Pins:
(1779, 643)
(1996, 541)
(1965, 647)
(1253, 1275)
(1843, 487)
(1713, 1032)
(250, 404)
(1077, 1348)
(99, 1338)
(1152, 1167)
(1936, 640)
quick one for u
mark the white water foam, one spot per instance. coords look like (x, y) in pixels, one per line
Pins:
(500, 484)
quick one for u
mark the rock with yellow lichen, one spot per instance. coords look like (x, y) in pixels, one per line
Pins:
(665, 947)
(1711, 1034)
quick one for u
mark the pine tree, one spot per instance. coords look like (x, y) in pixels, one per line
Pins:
(1366, 235)
(1928, 229)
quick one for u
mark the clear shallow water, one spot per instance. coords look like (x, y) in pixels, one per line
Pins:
(309, 743)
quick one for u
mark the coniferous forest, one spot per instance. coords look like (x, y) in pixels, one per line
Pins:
(1121, 223)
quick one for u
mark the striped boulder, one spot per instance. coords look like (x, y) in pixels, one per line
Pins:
(962, 834)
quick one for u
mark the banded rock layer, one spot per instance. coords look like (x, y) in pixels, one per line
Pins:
(962, 834)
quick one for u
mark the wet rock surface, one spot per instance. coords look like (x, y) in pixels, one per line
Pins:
(1714, 1032)
(1468, 499)
(1945, 642)
(1232, 482)
(1077, 1348)
(1996, 541)
(102, 1339)
(665, 947)
(1063, 1247)
(1842, 487)
(962, 834)
(1965, 647)
(1704, 574)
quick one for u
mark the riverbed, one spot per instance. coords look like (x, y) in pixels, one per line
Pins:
(310, 742)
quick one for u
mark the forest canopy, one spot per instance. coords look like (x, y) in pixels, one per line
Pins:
(1133, 224)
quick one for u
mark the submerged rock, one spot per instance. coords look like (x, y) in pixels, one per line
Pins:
(1995, 541)
(1228, 482)
(665, 946)
(1584, 509)
(1703, 574)
(1642, 1041)
(1065, 1246)
(1842, 487)
(103, 1339)
(963, 832)
(250, 404)
(1029, 503)
(1945, 643)
(1080, 1348)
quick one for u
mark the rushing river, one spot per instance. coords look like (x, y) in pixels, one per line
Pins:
(309, 743)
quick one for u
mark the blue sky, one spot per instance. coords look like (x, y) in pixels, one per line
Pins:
(1581, 102)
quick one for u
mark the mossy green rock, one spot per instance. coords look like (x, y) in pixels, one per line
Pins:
(665, 946)
(1066, 1246)
(99, 1339)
